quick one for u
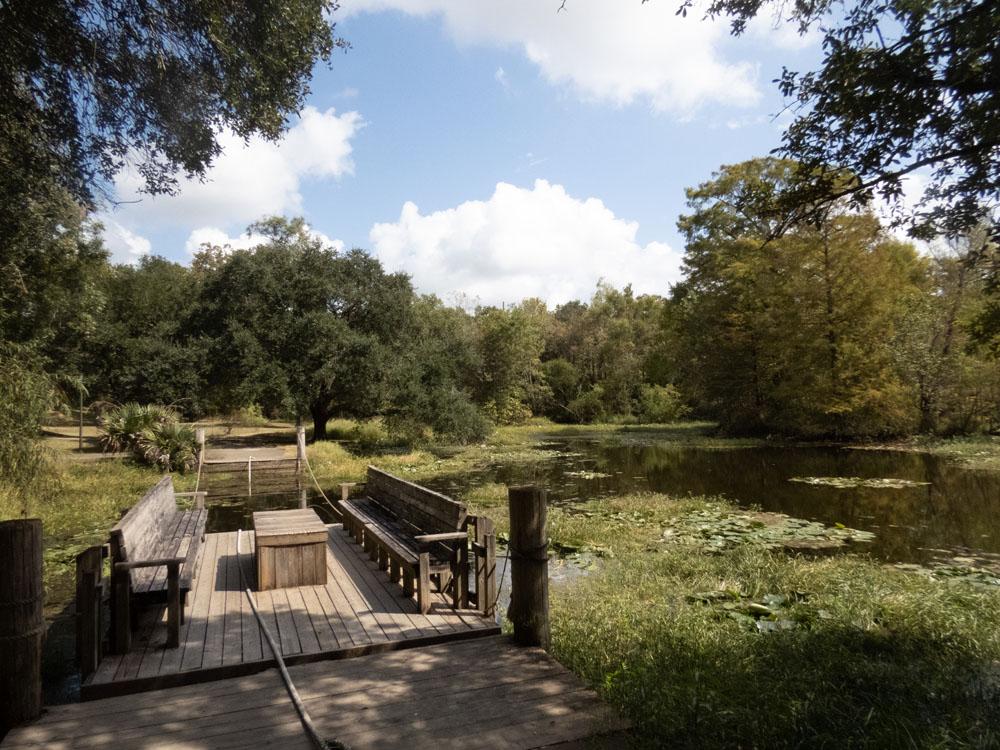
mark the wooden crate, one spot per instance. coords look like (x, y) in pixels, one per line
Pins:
(290, 549)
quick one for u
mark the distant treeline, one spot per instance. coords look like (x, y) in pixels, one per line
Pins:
(810, 325)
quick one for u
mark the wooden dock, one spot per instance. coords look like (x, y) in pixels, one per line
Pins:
(359, 611)
(481, 694)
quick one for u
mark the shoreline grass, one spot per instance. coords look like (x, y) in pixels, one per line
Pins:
(895, 660)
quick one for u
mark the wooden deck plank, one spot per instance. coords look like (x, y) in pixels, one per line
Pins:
(358, 609)
(287, 637)
(253, 646)
(325, 635)
(393, 623)
(194, 644)
(308, 640)
(232, 638)
(391, 595)
(173, 657)
(216, 619)
(346, 591)
(470, 695)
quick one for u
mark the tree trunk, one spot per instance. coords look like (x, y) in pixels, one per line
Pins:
(320, 416)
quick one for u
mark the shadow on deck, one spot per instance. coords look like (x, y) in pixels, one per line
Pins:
(358, 612)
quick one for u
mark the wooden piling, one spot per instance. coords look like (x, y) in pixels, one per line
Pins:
(21, 622)
(300, 443)
(89, 625)
(529, 566)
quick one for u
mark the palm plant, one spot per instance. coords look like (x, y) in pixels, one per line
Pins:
(169, 445)
(123, 426)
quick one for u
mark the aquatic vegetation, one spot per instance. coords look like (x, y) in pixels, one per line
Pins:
(718, 527)
(852, 482)
(586, 474)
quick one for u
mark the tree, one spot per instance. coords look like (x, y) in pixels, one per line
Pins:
(904, 85)
(511, 343)
(792, 334)
(51, 276)
(141, 350)
(298, 327)
(434, 386)
(90, 86)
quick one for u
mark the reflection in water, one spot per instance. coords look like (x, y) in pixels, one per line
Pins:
(957, 511)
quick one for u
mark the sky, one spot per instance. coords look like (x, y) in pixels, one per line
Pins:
(495, 151)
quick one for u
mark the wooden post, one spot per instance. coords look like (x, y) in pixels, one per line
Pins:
(120, 613)
(80, 444)
(529, 567)
(249, 475)
(345, 490)
(173, 605)
(303, 497)
(300, 447)
(486, 566)
(21, 622)
(89, 564)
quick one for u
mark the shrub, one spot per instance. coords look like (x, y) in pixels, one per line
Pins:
(122, 426)
(152, 433)
(169, 445)
(588, 407)
(457, 419)
(661, 403)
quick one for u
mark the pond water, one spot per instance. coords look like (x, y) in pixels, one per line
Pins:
(951, 510)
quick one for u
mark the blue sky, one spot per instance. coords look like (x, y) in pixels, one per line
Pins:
(496, 149)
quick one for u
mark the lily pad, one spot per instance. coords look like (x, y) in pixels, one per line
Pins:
(853, 482)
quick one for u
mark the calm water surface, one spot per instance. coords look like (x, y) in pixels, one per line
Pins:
(957, 512)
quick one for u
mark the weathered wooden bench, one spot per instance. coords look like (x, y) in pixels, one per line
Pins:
(416, 533)
(154, 548)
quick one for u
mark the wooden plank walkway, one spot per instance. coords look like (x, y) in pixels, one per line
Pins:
(482, 694)
(359, 611)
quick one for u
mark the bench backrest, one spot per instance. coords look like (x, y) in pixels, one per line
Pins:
(137, 533)
(427, 510)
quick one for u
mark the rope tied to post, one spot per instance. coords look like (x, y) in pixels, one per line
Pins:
(532, 554)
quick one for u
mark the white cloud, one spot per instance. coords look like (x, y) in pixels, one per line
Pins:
(605, 50)
(523, 243)
(247, 181)
(219, 238)
(501, 77)
(124, 246)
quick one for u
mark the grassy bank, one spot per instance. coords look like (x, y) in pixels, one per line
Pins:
(860, 655)
(79, 504)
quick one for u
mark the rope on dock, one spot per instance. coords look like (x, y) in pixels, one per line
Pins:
(316, 482)
(307, 722)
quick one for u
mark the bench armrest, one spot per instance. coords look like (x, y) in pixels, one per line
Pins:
(448, 537)
(150, 563)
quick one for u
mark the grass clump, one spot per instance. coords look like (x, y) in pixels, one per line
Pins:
(873, 657)
(83, 500)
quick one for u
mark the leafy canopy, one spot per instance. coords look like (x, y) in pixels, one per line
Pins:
(90, 86)
(904, 85)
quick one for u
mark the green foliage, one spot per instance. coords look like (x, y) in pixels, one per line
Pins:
(25, 395)
(90, 87)
(588, 407)
(433, 389)
(874, 657)
(169, 446)
(661, 403)
(792, 335)
(151, 433)
(142, 349)
(903, 85)
(511, 344)
(303, 329)
(122, 426)
(51, 272)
